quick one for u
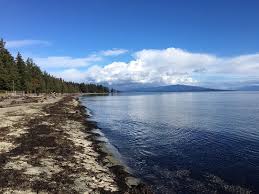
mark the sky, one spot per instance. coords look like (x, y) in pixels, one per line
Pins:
(126, 43)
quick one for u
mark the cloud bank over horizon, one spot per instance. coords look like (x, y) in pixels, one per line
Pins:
(165, 67)
(149, 66)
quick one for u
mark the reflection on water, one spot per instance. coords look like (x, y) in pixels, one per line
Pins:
(185, 142)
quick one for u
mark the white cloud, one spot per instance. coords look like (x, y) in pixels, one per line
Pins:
(66, 61)
(244, 65)
(24, 43)
(72, 62)
(70, 75)
(160, 67)
(168, 66)
(172, 66)
(114, 52)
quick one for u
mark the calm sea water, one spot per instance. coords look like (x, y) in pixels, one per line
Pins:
(185, 142)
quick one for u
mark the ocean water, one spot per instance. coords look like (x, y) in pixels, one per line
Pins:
(204, 142)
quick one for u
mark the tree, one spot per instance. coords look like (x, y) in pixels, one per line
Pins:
(21, 67)
(28, 77)
(8, 69)
(2, 44)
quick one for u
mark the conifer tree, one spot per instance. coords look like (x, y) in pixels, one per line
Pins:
(28, 77)
(8, 69)
(21, 67)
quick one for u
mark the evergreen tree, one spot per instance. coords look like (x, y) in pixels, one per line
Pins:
(3, 70)
(8, 69)
(21, 67)
(28, 77)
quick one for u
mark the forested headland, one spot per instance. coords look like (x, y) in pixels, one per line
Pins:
(19, 75)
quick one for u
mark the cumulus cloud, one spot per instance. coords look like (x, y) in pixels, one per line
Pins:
(70, 75)
(25, 43)
(172, 66)
(158, 67)
(114, 52)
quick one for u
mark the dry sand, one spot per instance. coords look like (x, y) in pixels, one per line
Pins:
(46, 146)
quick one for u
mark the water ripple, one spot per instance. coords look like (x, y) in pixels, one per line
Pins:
(185, 143)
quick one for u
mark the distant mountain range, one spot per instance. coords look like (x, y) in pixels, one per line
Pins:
(249, 88)
(173, 88)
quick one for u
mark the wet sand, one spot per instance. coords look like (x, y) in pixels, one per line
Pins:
(48, 146)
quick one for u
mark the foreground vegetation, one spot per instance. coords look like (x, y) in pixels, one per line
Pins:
(19, 75)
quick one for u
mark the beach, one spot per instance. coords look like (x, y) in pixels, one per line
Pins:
(47, 145)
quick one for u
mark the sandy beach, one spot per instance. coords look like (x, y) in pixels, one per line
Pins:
(47, 146)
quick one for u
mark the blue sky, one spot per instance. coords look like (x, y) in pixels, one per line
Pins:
(159, 42)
